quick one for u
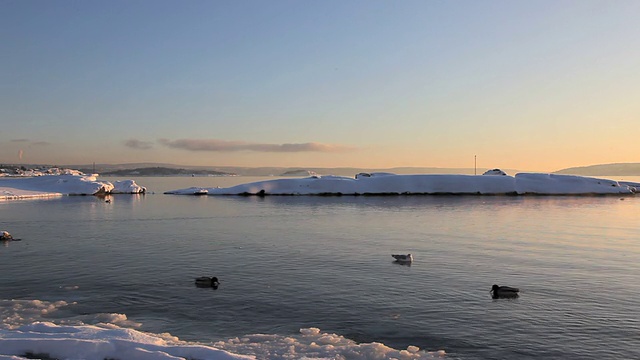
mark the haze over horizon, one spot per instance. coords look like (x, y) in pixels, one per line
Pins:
(537, 86)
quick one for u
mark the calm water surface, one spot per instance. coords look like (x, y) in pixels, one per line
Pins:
(292, 262)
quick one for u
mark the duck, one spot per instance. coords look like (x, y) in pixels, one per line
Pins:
(403, 258)
(5, 236)
(205, 281)
(504, 292)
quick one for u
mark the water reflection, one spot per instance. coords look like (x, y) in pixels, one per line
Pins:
(401, 263)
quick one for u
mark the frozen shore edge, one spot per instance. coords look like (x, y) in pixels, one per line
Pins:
(385, 184)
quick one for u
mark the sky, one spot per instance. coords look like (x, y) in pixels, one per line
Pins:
(529, 85)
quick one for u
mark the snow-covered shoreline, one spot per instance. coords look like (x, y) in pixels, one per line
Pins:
(61, 185)
(492, 183)
(28, 328)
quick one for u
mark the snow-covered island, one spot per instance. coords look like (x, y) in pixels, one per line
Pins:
(59, 185)
(493, 182)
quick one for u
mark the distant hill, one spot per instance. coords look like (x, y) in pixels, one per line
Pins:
(619, 169)
(114, 170)
(622, 169)
(301, 171)
(163, 171)
(298, 173)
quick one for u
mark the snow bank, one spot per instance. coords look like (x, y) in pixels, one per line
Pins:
(105, 341)
(101, 342)
(127, 187)
(58, 185)
(385, 183)
(24, 329)
(551, 184)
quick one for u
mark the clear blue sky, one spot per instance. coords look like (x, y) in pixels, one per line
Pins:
(532, 85)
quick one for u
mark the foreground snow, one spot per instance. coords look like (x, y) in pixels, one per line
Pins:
(99, 342)
(492, 183)
(108, 341)
(58, 185)
(24, 331)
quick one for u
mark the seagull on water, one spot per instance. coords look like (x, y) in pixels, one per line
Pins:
(403, 258)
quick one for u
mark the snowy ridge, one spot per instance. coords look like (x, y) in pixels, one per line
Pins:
(391, 184)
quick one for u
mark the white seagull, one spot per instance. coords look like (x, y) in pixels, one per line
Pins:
(403, 258)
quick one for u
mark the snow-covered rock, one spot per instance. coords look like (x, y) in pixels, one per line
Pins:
(495, 172)
(58, 185)
(127, 187)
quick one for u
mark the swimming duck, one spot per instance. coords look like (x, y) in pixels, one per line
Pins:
(403, 258)
(5, 236)
(205, 281)
(504, 292)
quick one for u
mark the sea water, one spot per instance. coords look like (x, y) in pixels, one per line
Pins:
(297, 262)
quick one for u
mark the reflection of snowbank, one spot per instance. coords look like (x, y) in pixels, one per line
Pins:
(26, 328)
(57, 185)
(390, 184)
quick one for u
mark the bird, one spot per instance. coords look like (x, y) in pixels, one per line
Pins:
(504, 292)
(5, 236)
(205, 281)
(403, 258)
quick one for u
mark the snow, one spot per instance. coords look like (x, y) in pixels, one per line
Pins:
(105, 341)
(551, 184)
(127, 187)
(59, 185)
(24, 329)
(494, 182)
(100, 342)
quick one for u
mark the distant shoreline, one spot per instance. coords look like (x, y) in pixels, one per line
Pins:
(159, 169)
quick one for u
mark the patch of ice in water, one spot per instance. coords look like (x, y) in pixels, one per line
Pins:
(313, 344)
